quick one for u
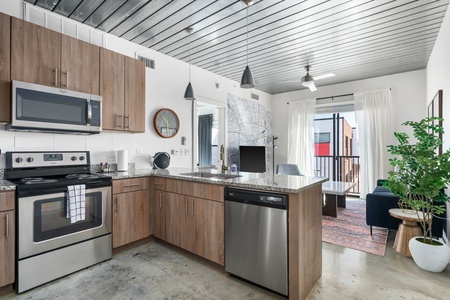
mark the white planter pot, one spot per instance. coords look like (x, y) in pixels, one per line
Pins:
(433, 258)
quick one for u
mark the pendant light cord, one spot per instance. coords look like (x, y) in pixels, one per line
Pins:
(247, 34)
(189, 57)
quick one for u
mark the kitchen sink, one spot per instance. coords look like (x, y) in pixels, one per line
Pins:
(211, 175)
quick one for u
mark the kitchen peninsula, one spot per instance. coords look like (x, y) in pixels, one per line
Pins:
(170, 186)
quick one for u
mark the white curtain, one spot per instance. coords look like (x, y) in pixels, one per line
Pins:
(301, 135)
(372, 110)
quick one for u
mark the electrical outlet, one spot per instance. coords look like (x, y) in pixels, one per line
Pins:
(187, 152)
(175, 152)
(182, 151)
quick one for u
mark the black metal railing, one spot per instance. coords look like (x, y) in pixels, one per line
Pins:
(340, 168)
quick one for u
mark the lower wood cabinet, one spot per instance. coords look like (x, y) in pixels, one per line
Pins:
(7, 238)
(192, 223)
(130, 211)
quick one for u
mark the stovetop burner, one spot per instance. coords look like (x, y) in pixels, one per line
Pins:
(37, 180)
(83, 176)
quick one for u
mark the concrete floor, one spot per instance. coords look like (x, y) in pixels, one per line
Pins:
(156, 270)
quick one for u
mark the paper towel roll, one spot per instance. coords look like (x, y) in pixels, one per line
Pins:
(122, 160)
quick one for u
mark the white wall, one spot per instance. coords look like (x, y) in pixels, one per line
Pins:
(164, 88)
(408, 97)
(438, 78)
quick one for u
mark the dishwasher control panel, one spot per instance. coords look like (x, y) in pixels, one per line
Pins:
(257, 198)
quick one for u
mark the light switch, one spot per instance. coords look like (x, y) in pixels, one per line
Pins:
(175, 152)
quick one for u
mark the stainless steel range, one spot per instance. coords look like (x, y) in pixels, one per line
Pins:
(63, 215)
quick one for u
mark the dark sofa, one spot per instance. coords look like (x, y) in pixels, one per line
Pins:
(378, 204)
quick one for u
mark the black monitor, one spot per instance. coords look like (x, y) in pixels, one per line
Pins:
(252, 158)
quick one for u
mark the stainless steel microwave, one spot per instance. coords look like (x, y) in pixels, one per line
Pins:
(41, 108)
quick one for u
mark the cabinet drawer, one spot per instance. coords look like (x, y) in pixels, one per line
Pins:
(129, 185)
(6, 201)
(174, 186)
(159, 183)
(203, 190)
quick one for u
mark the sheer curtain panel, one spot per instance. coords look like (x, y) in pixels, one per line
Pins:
(373, 111)
(301, 135)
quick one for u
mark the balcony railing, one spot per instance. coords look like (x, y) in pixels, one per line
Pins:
(343, 168)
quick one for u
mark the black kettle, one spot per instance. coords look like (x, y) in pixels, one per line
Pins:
(161, 160)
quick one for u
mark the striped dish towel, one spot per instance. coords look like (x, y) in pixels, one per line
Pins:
(76, 203)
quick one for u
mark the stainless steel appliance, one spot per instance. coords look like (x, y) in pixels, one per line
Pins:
(49, 243)
(256, 247)
(46, 109)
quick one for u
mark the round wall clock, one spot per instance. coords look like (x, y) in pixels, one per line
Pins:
(166, 123)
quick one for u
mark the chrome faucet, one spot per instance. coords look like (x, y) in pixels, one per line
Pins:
(223, 168)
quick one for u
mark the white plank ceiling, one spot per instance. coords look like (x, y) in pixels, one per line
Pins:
(352, 39)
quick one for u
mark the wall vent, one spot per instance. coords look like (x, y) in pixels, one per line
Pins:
(149, 63)
(254, 96)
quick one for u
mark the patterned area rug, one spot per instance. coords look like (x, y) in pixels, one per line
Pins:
(350, 230)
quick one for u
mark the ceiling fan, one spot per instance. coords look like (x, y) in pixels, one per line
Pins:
(308, 80)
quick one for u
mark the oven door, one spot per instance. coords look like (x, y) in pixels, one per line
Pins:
(43, 224)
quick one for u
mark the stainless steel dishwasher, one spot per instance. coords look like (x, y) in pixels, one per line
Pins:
(256, 247)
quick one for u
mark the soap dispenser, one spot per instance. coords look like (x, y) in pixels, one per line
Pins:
(233, 168)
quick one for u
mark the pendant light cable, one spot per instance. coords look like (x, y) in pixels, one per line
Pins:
(247, 34)
(247, 80)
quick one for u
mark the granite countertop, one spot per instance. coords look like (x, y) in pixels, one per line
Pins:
(6, 185)
(257, 181)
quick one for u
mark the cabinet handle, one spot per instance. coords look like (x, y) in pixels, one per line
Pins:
(158, 183)
(67, 79)
(119, 124)
(7, 226)
(192, 208)
(117, 204)
(131, 185)
(128, 122)
(160, 200)
(56, 77)
(186, 205)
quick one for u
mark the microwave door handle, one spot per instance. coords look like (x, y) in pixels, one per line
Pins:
(89, 112)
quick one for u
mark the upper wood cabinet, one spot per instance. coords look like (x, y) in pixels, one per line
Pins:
(122, 86)
(46, 57)
(5, 71)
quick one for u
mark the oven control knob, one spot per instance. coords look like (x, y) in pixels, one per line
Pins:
(81, 157)
(30, 159)
(73, 158)
(19, 160)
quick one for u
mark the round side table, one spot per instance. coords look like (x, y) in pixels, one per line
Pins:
(406, 230)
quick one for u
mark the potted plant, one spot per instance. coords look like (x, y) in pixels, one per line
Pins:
(419, 180)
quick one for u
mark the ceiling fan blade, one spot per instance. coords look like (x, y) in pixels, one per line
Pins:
(312, 87)
(323, 76)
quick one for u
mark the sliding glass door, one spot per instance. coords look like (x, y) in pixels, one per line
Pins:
(336, 153)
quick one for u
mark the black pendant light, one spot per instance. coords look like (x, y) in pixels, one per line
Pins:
(247, 81)
(189, 94)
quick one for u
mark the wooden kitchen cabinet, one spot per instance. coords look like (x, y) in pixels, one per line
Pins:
(131, 211)
(47, 57)
(122, 86)
(7, 238)
(5, 71)
(191, 215)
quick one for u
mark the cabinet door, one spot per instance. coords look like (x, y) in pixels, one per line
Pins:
(112, 75)
(172, 218)
(159, 216)
(80, 66)
(210, 231)
(6, 247)
(130, 217)
(36, 55)
(134, 119)
(5, 71)
(187, 223)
